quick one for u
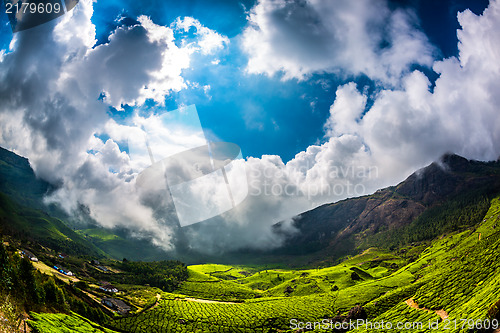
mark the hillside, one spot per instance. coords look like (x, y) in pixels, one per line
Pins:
(24, 215)
(452, 286)
(18, 181)
(446, 196)
(37, 227)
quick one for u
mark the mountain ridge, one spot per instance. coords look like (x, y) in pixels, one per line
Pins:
(387, 218)
(454, 274)
(348, 226)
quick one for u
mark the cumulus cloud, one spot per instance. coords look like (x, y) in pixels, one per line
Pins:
(367, 148)
(209, 40)
(50, 111)
(56, 88)
(299, 38)
(405, 128)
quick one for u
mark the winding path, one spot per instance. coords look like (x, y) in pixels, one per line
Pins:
(441, 313)
(199, 300)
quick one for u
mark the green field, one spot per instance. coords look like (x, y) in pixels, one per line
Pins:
(62, 323)
(458, 275)
(420, 256)
(441, 268)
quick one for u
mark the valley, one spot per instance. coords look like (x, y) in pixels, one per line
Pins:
(434, 260)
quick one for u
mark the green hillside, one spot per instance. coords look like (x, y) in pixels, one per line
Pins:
(35, 226)
(424, 254)
(63, 323)
(446, 196)
(18, 181)
(119, 245)
(24, 215)
(457, 276)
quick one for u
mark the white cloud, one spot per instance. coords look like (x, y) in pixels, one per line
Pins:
(300, 38)
(49, 110)
(50, 83)
(405, 129)
(368, 148)
(408, 128)
(346, 111)
(139, 62)
(208, 41)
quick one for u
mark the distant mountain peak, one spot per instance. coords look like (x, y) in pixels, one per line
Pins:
(455, 162)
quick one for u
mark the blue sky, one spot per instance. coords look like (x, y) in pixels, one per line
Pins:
(374, 88)
(266, 115)
(263, 114)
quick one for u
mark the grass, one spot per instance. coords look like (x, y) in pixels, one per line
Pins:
(43, 268)
(225, 272)
(256, 315)
(216, 290)
(33, 224)
(63, 323)
(263, 301)
(459, 274)
(118, 246)
(99, 233)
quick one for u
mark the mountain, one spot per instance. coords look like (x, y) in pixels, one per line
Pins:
(452, 285)
(428, 252)
(448, 195)
(24, 215)
(18, 181)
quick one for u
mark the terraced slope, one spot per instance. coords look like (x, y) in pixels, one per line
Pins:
(457, 277)
(458, 281)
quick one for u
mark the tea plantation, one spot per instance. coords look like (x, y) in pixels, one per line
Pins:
(457, 277)
(454, 284)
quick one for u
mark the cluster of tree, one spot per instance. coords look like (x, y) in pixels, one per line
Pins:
(165, 275)
(464, 211)
(34, 291)
(18, 279)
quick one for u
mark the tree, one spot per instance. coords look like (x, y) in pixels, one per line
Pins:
(27, 277)
(7, 273)
(53, 294)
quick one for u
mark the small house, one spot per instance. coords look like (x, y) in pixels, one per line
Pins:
(116, 304)
(63, 270)
(30, 255)
(109, 288)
